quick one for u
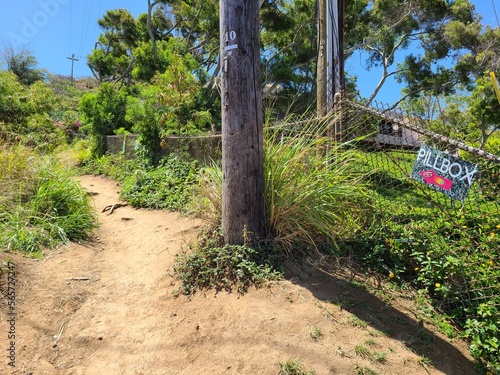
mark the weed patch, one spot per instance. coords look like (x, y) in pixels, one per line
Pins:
(169, 186)
(293, 367)
(213, 265)
(315, 332)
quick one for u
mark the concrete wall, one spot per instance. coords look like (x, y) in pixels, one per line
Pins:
(201, 148)
(116, 144)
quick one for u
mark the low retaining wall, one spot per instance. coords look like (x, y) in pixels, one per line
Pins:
(126, 144)
(201, 148)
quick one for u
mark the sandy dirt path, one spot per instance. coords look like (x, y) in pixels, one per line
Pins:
(110, 307)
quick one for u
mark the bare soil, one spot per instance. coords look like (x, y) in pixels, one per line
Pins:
(111, 307)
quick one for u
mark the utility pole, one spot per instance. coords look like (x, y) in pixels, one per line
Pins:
(243, 217)
(330, 71)
(335, 50)
(321, 74)
(72, 58)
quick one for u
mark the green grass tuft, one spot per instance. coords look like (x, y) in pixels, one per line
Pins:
(312, 197)
(43, 205)
(293, 367)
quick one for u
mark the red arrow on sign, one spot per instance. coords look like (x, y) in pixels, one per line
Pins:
(431, 178)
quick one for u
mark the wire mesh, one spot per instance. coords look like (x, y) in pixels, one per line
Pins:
(446, 246)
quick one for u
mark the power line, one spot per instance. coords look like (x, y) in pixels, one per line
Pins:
(86, 23)
(495, 10)
(96, 24)
(70, 24)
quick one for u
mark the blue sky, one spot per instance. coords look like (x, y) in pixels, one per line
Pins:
(54, 30)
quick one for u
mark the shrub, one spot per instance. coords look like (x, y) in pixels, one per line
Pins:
(25, 114)
(104, 112)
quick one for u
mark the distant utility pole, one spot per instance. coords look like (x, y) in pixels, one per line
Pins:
(72, 58)
(243, 218)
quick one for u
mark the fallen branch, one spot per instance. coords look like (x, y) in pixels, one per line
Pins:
(113, 207)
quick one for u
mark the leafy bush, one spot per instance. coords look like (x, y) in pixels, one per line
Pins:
(104, 112)
(143, 111)
(482, 331)
(44, 205)
(169, 105)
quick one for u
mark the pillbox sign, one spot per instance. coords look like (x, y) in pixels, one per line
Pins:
(443, 172)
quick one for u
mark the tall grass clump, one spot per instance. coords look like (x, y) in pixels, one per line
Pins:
(41, 204)
(16, 172)
(313, 196)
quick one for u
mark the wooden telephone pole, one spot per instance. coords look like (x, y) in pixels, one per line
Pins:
(321, 78)
(243, 217)
(330, 70)
(73, 59)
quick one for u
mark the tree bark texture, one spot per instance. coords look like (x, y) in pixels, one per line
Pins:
(243, 218)
(321, 80)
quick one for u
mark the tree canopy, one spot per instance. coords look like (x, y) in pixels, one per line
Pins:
(23, 64)
(434, 48)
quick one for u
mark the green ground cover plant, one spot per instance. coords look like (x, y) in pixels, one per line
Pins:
(168, 186)
(211, 264)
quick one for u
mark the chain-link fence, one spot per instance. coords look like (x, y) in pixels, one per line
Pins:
(446, 241)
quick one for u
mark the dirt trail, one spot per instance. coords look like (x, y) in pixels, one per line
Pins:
(109, 307)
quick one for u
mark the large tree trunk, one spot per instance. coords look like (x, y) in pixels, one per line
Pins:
(243, 218)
